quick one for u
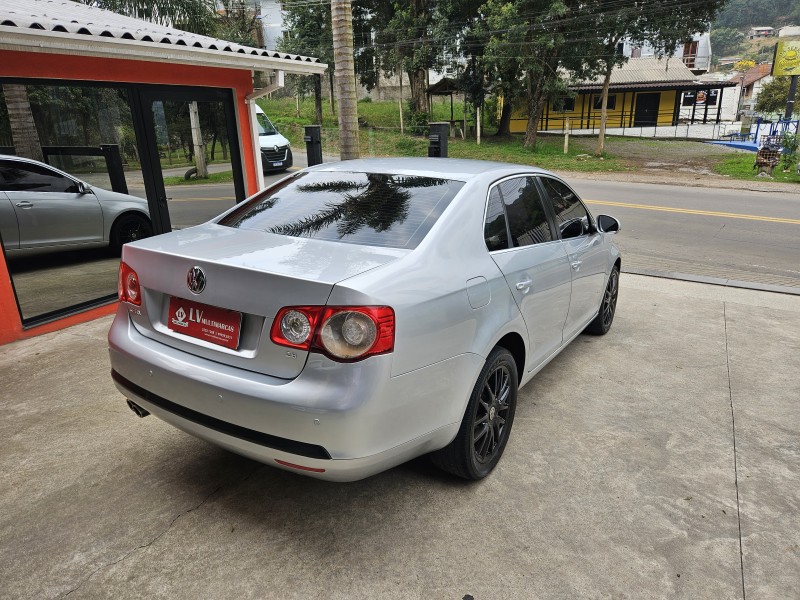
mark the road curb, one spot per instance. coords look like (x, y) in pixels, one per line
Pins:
(733, 283)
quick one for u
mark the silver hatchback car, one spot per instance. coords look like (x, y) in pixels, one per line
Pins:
(356, 315)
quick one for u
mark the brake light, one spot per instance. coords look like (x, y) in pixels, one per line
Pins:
(343, 333)
(128, 288)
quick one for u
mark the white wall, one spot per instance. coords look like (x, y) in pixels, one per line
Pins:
(271, 23)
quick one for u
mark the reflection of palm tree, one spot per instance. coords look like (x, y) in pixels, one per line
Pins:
(379, 202)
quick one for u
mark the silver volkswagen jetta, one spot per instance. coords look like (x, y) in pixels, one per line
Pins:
(358, 314)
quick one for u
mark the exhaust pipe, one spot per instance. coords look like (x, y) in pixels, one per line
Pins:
(137, 410)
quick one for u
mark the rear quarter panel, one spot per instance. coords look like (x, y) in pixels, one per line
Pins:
(434, 319)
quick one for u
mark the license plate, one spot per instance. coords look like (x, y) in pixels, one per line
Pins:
(204, 322)
(277, 164)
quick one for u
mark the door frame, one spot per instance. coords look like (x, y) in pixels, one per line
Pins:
(142, 98)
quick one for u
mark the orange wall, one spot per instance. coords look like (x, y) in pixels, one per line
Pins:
(86, 68)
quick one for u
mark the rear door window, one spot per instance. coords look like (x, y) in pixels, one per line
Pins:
(516, 201)
(372, 209)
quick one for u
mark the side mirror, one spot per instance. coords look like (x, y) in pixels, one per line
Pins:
(83, 188)
(607, 224)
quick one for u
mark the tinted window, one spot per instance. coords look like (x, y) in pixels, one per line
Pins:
(24, 177)
(494, 230)
(571, 216)
(527, 221)
(372, 209)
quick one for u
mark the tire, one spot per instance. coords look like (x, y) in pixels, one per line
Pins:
(129, 227)
(605, 315)
(487, 422)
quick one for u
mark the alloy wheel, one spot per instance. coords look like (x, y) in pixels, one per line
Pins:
(491, 413)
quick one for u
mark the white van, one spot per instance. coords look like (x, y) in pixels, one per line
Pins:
(276, 155)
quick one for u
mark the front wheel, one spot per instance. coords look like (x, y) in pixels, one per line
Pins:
(486, 426)
(605, 316)
(129, 228)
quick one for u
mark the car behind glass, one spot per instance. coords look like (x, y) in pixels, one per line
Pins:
(358, 314)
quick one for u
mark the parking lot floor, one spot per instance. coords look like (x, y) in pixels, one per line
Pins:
(659, 461)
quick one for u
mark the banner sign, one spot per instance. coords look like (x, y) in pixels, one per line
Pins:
(787, 58)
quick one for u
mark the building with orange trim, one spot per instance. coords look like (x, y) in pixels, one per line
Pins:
(60, 50)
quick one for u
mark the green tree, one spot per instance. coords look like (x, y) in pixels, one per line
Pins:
(726, 41)
(308, 32)
(195, 16)
(663, 25)
(773, 96)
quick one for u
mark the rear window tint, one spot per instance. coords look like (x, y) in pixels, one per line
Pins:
(371, 209)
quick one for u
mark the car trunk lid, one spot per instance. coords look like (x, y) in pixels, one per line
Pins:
(252, 273)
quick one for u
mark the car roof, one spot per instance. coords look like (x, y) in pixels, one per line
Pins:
(448, 168)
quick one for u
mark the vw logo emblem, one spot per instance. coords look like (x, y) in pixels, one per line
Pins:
(196, 280)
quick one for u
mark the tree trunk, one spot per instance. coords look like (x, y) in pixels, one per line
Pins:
(504, 126)
(601, 136)
(342, 21)
(318, 99)
(419, 102)
(535, 105)
(23, 127)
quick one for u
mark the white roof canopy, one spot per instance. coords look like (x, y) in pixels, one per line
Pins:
(66, 27)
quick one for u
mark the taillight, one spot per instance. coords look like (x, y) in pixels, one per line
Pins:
(294, 326)
(344, 333)
(128, 285)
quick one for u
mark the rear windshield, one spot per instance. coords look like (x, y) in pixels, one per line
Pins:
(371, 209)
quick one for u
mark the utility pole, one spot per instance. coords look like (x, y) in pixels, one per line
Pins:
(345, 72)
(790, 100)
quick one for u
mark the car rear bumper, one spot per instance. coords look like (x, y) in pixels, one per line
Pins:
(345, 421)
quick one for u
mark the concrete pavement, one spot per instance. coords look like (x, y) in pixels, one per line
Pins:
(640, 465)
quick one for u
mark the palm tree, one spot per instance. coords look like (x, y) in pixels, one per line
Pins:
(342, 25)
(20, 117)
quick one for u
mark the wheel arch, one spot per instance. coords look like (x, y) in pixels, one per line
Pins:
(515, 344)
(126, 213)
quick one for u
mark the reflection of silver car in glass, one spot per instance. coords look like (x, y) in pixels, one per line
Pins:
(359, 314)
(43, 209)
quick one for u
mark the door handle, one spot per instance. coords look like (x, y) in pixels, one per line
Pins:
(524, 285)
(576, 264)
(24, 204)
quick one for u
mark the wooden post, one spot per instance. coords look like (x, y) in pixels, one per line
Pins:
(400, 101)
(197, 140)
(478, 124)
(566, 137)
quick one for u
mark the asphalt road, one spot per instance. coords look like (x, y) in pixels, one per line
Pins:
(731, 235)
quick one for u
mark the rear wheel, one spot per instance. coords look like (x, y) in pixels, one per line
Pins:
(486, 426)
(129, 228)
(605, 316)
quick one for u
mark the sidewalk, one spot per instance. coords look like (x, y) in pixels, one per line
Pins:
(639, 464)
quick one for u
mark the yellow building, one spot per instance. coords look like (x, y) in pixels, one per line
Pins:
(644, 92)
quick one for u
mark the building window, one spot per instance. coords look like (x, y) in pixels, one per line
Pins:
(564, 104)
(597, 102)
(690, 54)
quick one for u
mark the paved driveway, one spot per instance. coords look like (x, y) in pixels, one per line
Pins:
(641, 465)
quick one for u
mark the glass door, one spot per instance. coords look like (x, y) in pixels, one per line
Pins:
(193, 155)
